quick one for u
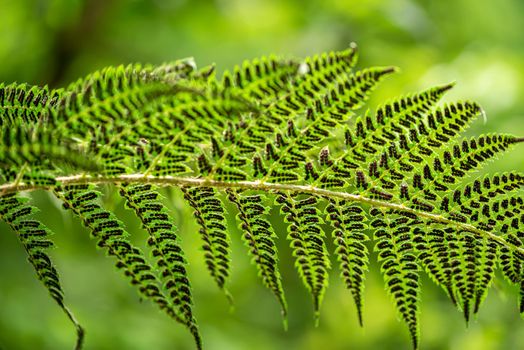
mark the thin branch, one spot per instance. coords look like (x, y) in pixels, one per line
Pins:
(250, 185)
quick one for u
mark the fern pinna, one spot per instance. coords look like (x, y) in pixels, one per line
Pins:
(272, 132)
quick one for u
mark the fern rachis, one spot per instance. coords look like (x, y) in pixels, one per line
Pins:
(271, 131)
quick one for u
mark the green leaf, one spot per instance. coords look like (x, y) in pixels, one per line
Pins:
(209, 213)
(259, 236)
(307, 242)
(295, 134)
(36, 239)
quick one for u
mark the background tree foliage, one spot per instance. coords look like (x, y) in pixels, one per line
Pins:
(55, 41)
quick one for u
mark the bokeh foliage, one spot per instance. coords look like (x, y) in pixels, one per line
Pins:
(477, 44)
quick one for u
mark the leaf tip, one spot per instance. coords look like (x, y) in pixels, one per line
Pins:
(360, 318)
(466, 313)
(230, 300)
(389, 70)
(447, 87)
(317, 318)
(284, 321)
(80, 336)
(193, 328)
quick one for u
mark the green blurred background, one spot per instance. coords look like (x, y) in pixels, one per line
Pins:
(478, 44)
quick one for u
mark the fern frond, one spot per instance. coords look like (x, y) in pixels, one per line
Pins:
(393, 235)
(259, 236)
(464, 204)
(349, 237)
(24, 103)
(144, 200)
(414, 146)
(210, 215)
(373, 133)
(307, 241)
(35, 237)
(437, 249)
(106, 100)
(263, 80)
(34, 147)
(111, 236)
(469, 155)
(465, 273)
(320, 72)
(507, 217)
(486, 253)
(287, 131)
(441, 174)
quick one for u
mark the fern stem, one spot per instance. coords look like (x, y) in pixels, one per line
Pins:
(251, 185)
